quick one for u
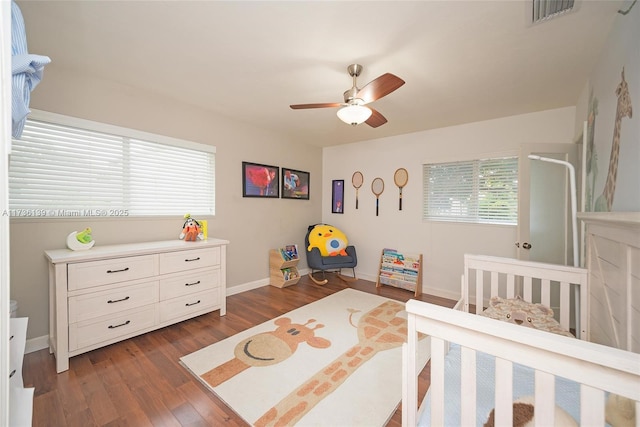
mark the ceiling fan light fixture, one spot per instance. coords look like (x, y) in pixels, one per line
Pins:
(354, 114)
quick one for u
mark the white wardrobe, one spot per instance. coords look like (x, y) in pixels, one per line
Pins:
(613, 258)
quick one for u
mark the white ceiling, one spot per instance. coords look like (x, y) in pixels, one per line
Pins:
(463, 61)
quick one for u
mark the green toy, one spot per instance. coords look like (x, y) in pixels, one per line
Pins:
(84, 236)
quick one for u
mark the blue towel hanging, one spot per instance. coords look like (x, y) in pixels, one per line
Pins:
(26, 70)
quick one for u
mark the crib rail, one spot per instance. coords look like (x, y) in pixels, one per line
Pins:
(597, 368)
(533, 281)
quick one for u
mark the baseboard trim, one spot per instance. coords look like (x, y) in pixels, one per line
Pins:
(257, 284)
(36, 344)
(442, 293)
(247, 286)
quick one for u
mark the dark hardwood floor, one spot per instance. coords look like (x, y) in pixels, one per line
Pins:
(139, 382)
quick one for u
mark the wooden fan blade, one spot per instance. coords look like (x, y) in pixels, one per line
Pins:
(376, 119)
(322, 105)
(382, 86)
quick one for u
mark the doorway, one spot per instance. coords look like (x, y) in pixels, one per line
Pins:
(544, 213)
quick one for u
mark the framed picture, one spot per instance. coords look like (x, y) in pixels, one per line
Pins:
(260, 180)
(295, 184)
(337, 196)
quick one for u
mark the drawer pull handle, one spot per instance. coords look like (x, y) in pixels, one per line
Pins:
(193, 303)
(192, 259)
(11, 337)
(112, 301)
(12, 373)
(122, 324)
(118, 271)
(191, 284)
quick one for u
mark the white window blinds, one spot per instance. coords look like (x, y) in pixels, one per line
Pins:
(57, 170)
(479, 191)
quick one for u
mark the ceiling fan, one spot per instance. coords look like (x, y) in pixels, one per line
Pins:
(353, 109)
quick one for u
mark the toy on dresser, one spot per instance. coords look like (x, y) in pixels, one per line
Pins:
(191, 230)
(78, 241)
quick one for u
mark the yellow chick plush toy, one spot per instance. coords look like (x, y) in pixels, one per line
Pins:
(328, 239)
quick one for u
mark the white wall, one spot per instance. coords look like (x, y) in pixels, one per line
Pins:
(442, 244)
(252, 225)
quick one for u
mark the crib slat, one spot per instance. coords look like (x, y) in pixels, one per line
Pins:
(467, 387)
(464, 291)
(592, 404)
(406, 384)
(527, 291)
(479, 290)
(511, 280)
(494, 283)
(545, 292)
(565, 303)
(545, 397)
(410, 383)
(437, 381)
(503, 392)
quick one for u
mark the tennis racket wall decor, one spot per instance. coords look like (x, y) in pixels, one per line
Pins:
(401, 177)
(377, 186)
(357, 180)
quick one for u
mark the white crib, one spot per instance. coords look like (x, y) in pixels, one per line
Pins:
(597, 370)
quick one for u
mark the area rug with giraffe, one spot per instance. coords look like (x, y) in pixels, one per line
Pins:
(334, 362)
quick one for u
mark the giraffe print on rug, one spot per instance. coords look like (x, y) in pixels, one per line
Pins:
(378, 330)
(267, 348)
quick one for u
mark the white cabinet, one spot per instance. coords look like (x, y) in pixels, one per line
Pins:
(110, 293)
(20, 398)
(613, 260)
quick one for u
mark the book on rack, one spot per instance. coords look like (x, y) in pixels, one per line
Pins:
(289, 273)
(289, 252)
(391, 256)
(400, 270)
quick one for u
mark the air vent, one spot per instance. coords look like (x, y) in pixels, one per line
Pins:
(547, 9)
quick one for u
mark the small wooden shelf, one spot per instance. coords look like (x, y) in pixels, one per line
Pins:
(283, 272)
(401, 271)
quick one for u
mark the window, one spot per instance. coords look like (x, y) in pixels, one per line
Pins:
(63, 167)
(478, 191)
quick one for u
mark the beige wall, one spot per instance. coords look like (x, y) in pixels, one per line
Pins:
(253, 226)
(442, 244)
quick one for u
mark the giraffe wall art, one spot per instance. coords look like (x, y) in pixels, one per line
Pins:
(623, 109)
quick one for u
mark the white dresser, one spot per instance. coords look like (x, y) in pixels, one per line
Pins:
(613, 260)
(20, 398)
(110, 293)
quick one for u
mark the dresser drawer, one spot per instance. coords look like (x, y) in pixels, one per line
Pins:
(103, 303)
(193, 303)
(95, 331)
(179, 284)
(17, 341)
(95, 273)
(172, 262)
